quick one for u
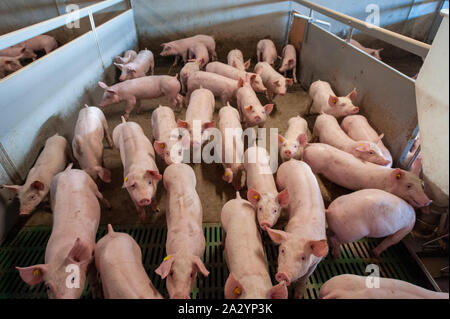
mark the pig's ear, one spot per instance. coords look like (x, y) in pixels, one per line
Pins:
(291, 61)
(208, 125)
(14, 188)
(247, 63)
(153, 174)
(38, 185)
(80, 253)
(283, 198)
(289, 81)
(164, 269)
(252, 77)
(352, 94)
(119, 65)
(240, 82)
(319, 247)
(258, 71)
(228, 175)
(33, 275)
(102, 85)
(159, 147)
(233, 288)
(128, 181)
(277, 236)
(200, 266)
(182, 124)
(397, 174)
(279, 291)
(268, 108)
(302, 139)
(281, 139)
(277, 82)
(363, 147)
(380, 138)
(131, 69)
(103, 173)
(253, 196)
(332, 100)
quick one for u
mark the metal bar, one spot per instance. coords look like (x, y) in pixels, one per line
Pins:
(413, 159)
(94, 32)
(433, 240)
(349, 35)
(398, 40)
(26, 33)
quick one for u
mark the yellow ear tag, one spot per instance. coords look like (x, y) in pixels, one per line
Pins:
(166, 258)
(399, 175)
(249, 107)
(126, 178)
(226, 174)
(163, 145)
(335, 100)
(360, 145)
(184, 124)
(36, 272)
(237, 291)
(256, 197)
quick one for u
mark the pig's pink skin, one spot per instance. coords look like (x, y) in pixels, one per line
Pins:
(273, 81)
(76, 215)
(233, 73)
(128, 57)
(50, 162)
(327, 129)
(289, 61)
(262, 191)
(181, 47)
(325, 101)
(141, 175)
(369, 213)
(373, 52)
(219, 85)
(9, 65)
(13, 51)
(87, 144)
(232, 145)
(164, 127)
(252, 111)
(139, 67)
(358, 128)
(188, 69)
(118, 259)
(355, 287)
(347, 171)
(200, 108)
(236, 60)
(245, 255)
(41, 42)
(289, 143)
(185, 242)
(266, 51)
(303, 241)
(199, 53)
(147, 87)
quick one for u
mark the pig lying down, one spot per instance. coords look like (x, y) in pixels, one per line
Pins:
(118, 259)
(141, 175)
(138, 67)
(354, 287)
(249, 275)
(9, 65)
(369, 213)
(290, 145)
(236, 60)
(185, 242)
(50, 162)
(76, 215)
(87, 144)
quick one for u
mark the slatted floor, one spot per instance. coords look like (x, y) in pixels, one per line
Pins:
(28, 247)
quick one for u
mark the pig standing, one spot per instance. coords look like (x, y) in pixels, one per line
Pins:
(273, 81)
(185, 242)
(373, 52)
(219, 85)
(358, 128)
(369, 213)
(199, 53)
(236, 60)
(118, 259)
(9, 65)
(354, 287)
(232, 145)
(41, 42)
(303, 242)
(289, 61)
(290, 143)
(87, 144)
(180, 47)
(147, 87)
(327, 129)
(76, 215)
(249, 275)
(141, 176)
(50, 162)
(139, 67)
(347, 171)
(262, 192)
(266, 51)
(230, 72)
(251, 110)
(325, 101)
(200, 111)
(188, 69)
(128, 57)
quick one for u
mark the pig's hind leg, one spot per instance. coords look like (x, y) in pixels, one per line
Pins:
(391, 240)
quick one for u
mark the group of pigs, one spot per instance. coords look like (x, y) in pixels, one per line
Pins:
(350, 154)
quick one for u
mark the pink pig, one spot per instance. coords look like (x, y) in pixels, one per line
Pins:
(50, 162)
(266, 51)
(188, 69)
(358, 128)
(147, 87)
(185, 242)
(17, 50)
(290, 143)
(347, 171)
(230, 72)
(76, 215)
(138, 67)
(251, 110)
(180, 47)
(128, 57)
(303, 242)
(118, 259)
(219, 85)
(87, 144)
(373, 52)
(141, 176)
(370, 213)
(273, 81)
(262, 192)
(236, 60)
(249, 275)
(9, 65)
(289, 61)
(327, 129)
(199, 52)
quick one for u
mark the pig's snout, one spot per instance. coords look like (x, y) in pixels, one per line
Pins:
(287, 153)
(264, 225)
(282, 276)
(144, 202)
(257, 118)
(355, 110)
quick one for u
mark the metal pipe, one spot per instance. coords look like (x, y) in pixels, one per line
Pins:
(411, 45)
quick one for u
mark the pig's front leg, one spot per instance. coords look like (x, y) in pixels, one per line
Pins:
(176, 60)
(391, 240)
(300, 287)
(138, 106)
(269, 96)
(130, 106)
(103, 200)
(154, 206)
(294, 74)
(92, 276)
(141, 212)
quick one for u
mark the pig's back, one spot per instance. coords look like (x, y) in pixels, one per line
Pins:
(216, 83)
(296, 125)
(228, 118)
(201, 105)
(225, 70)
(163, 122)
(358, 128)
(257, 168)
(329, 132)
(129, 138)
(53, 157)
